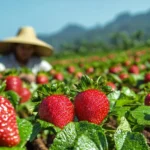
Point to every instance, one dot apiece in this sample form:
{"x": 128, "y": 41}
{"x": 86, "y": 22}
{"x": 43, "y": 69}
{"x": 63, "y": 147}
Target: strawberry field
{"x": 97, "y": 102}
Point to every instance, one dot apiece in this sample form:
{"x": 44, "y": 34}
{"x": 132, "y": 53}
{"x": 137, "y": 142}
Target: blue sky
{"x": 50, "y": 16}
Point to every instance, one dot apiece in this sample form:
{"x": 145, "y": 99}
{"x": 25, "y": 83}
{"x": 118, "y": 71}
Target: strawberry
{"x": 42, "y": 78}
{"x": 147, "y": 77}
{"x": 89, "y": 70}
{"x": 13, "y": 83}
{"x": 9, "y": 134}
{"x": 71, "y": 69}
{"x": 57, "y": 109}
{"x": 52, "y": 72}
{"x": 123, "y": 76}
{"x": 79, "y": 75}
{"x": 59, "y": 76}
{"x": 115, "y": 69}
{"x": 127, "y": 63}
{"x": 134, "y": 69}
{"x": 91, "y": 105}
{"x": 147, "y": 100}
{"x": 112, "y": 85}
{"x": 25, "y": 95}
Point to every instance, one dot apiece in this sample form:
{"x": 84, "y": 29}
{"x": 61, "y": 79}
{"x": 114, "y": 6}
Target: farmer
{"x": 25, "y": 50}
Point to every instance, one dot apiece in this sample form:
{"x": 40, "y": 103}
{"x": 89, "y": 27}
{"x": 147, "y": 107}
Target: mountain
{"x": 124, "y": 22}
{"x": 68, "y": 34}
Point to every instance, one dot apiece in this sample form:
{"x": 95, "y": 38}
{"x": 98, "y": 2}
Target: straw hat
{"x": 26, "y": 35}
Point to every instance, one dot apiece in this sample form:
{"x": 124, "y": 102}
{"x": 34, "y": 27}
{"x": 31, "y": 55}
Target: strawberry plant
{"x": 106, "y": 110}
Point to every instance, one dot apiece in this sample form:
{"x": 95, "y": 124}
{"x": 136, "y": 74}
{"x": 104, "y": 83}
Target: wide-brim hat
{"x": 26, "y": 35}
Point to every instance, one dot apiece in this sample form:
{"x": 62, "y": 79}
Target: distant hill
{"x": 67, "y": 34}
{"x": 124, "y": 22}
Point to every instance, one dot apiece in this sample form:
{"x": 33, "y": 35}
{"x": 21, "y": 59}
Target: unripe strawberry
{"x": 57, "y": 109}
{"x": 9, "y": 134}
{"x": 91, "y": 105}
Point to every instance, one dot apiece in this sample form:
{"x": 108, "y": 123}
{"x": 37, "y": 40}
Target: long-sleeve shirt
{"x": 35, "y": 63}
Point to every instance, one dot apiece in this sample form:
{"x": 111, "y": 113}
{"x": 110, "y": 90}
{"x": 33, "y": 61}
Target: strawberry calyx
{"x": 55, "y": 88}
{"x": 99, "y": 83}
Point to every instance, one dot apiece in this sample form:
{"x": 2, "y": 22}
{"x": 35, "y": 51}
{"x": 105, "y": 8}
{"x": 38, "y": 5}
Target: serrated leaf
{"x": 67, "y": 138}
{"x": 124, "y": 125}
{"x": 125, "y": 100}
{"x": 125, "y": 139}
{"x": 134, "y": 141}
{"x": 128, "y": 92}
{"x": 85, "y": 143}
{"x": 121, "y": 133}
{"x": 25, "y": 130}
{"x": 120, "y": 111}
{"x": 42, "y": 125}
{"x": 142, "y": 115}
{"x": 113, "y": 96}
{"x": 13, "y": 97}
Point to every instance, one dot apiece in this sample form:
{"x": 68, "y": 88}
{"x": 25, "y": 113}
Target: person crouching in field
{"x": 25, "y": 50}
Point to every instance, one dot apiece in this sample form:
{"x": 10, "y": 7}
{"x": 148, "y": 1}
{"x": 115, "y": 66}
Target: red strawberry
{"x": 25, "y": 95}
{"x": 91, "y": 105}
{"x": 134, "y": 69}
{"x": 147, "y": 77}
{"x": 123, "y": 76}
{"x": 59, "y": 76}
{"x": 147, "y": 100}
{"x": 89, "y": 70}
{"x": 57, "y": 109}
{"x": 112, "y": 85}
{"x": 42, "y": 79}
{"x": 115, "y": 69}
{"x": 127, "y": 63}
{"x": 13, "y": 83}
{"x": 9, "y": 134}
{"x": 71, "y": 69}
{"x": 79, "y": 75}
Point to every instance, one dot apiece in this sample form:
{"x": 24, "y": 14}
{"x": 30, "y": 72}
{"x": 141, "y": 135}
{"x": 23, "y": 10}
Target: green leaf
{"x": 42, "y": 125}
{"x": 72, "y": 135}
{"x": 120, "y": 111}
{"x": 134, "y": 141}
{"x": 113, "y": 96}
{"x": 25, "y": 130}
{"x": 128, "y": 92}
{"x": 124, "y": 125}
{"x": 2, "y": 86}
{"x": 65, "y": 139}
{"x": 13, "y": 97}
{"x": 85, "y": 143}
{"x": 125, "y": 139}
{"x": 125, "y": 100}
{"x": 142, "y": 115}
{"x": 121, "y": 132}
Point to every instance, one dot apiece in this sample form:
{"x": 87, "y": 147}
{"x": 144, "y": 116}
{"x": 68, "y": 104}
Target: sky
{"x": 50, "y": 16}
